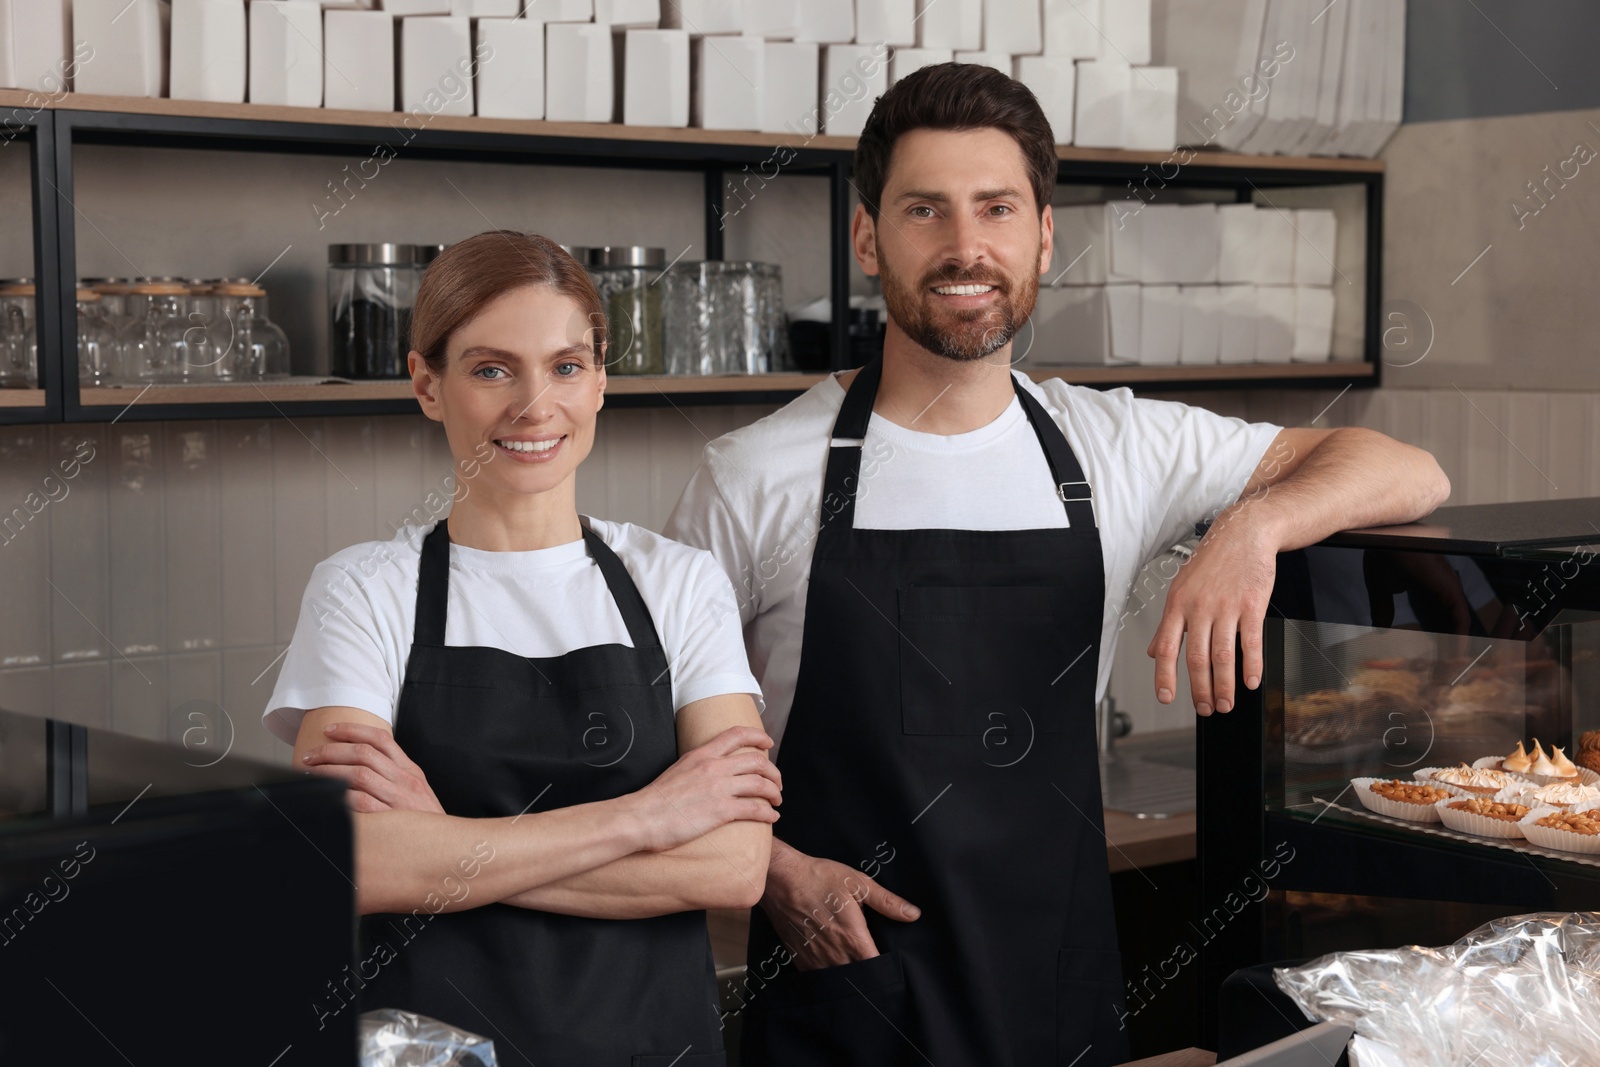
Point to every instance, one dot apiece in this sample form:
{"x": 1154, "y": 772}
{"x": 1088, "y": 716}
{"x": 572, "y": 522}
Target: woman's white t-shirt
{"x": 358, "y": 616}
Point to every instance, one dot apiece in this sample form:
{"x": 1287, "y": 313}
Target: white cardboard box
{"x": 1151, "y": 120}
{"x": 853, "y": 77}
{"x": 488, "y": 9}
{"x": 286, "y": 53}
{"x": 827, "y": 21}
{"x": 1126, "y": 26}
{"x": 1275, "y": 323}
{"x": 655, "y": 77}
{"x": 578, "y": 83}
{"x": 1102, "y": 104}
{"x": 1202, "y": 324}
{"x": 701, "y": 17}
{"x": 730, "y": 75}
{"x": 1236, "y": 247}
{"x": 1181, "y": 243}
{"x": 35, "y": 41}
{"x": 510, "y": 56}
{"x": 1315, "y": 246}
{"x": 358, "y": 49}
{"x": 1125, "y": 305}
{"x": 954, "y": 25}
{"x": 1313, "y": 325}
{"x": 904, "y": 61}
{"x": 628, "y": 14}
{"x": 1072, "y": 28}
{"x": 789, "y": 90}
{"x": 1071, "y": 325}
{"x": 1053, "y": 80}
{"x": 407, "y": 8}
{"x": 1236, "y": 336}
{"x": 891, "y": 21}
{"x": 1275, "y": 240}
{"x": 1013, "y": 27}
{"x": 1000, "y": 61}
{"x": 128, "y": 39}
{"x": 1160, "y": 324}
{"x": 435, "y": 61}
{"x": 775, "y": 20}
{"x": 209, "y": 52}
{"x": 1124, "y": 232}
{"x": 1081, "y": 246}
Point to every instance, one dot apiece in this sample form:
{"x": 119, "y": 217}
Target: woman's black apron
{"x": 942, "y": 740}
{"x": 498, "y": 735}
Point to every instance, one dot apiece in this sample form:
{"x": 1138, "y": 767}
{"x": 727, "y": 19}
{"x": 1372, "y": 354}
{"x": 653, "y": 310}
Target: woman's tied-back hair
{"x": 471, "y": 274}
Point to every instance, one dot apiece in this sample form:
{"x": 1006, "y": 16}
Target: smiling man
{"x": 930, "y": 554}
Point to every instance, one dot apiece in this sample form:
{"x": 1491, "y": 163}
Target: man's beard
{"x": 959, "y": 335}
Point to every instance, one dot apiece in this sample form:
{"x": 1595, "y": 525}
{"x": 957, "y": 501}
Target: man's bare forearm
{"x": 1354, "y": 478}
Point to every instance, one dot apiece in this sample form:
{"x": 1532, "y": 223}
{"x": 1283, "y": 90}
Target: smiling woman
{"x": 564, "y": 698}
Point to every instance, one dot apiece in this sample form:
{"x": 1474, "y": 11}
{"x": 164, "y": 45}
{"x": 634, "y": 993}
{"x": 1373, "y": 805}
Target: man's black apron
{"x": 942, "y": 740}
{"x": 499, "y": 734}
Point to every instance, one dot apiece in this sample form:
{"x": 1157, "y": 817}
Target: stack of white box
{"x": 1122, "y": 101}
{"x": 1168, "y": 284}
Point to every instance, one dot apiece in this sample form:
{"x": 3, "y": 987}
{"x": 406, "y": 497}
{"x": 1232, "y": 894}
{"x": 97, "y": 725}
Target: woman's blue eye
{"x": 480, "y": 372}
{"x": 574, "y": 365}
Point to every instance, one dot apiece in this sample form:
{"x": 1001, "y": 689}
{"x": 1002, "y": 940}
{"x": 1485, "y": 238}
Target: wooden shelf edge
{"x": 133, "y": 105}
{"x": 645, "y": 385}
{"x": 21, "y": 398}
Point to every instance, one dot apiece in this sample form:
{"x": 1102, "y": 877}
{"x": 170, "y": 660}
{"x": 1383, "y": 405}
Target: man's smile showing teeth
{"x": 962, "y": 290}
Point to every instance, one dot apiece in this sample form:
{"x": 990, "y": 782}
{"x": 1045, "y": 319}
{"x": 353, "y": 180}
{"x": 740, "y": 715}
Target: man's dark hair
{"x": 955, "y": 96}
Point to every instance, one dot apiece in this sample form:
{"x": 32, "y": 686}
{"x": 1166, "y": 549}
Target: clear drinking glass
{"x": 19, "y": 365}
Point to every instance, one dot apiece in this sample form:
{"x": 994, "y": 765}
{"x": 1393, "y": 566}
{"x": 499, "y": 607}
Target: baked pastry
{"x": 1519, "y": 761}
{"x": 1589, "y": 751}
{"x": 1577, "y": 822}
{"x": 1480, "y": 780}
{"x": 1418, "y": 793}
{"x": 1493, "y": 809}
{"x": 1562, "y": 764}
{"x": 1399, "y": 682}
{"x": 1566, "y": 794}
{"x": 1324, "y": 717}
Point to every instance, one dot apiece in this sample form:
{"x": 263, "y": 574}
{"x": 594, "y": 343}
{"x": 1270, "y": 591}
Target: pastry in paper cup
{"x": 1467, "y": 781}
{"x": 1385, "y": 802}
{"x": 1566, "y": 838}
{"x": 1457, "y": 814}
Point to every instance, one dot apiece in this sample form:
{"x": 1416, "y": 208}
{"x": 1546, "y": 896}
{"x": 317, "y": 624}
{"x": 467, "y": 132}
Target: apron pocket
{"x": 978, "y": 661}
{"x": 1089, "y": 1006}
{"x": 861, "y": 978}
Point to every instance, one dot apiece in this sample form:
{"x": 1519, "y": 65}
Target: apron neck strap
{"x": 433, "y": 589}
{"x": 850, "y": 430}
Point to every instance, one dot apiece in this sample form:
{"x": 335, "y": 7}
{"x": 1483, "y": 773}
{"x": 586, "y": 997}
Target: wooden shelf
{"x": 21, "y": 398}
{"x": 396, "y": 120}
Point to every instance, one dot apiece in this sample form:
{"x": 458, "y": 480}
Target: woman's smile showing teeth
{"x": 529, "y": 449}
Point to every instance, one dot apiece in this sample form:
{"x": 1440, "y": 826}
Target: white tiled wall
{"x": 169, "y": 571}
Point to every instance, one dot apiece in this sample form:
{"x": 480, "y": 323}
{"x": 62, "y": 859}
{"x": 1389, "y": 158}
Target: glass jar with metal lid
{"x": 19, "y": 365}
{"x": 371, "y": 290}
{"x": 625, "y": 277}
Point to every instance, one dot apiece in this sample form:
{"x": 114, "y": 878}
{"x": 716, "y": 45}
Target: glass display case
{"x": 1424, "y": 747}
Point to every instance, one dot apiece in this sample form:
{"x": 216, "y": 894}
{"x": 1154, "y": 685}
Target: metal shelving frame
{"x": 73, "y": 119}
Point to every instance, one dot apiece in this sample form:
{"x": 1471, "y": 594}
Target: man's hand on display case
{"x": 1308, "y": 485}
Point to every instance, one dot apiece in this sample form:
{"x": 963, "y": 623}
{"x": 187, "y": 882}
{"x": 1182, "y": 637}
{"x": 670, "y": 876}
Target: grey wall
{"x": 1475, "y": 58}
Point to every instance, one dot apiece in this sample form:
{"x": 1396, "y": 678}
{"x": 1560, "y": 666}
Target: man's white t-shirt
{"x": 358, "y": 616}
{"x": 1156, "y": 468}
